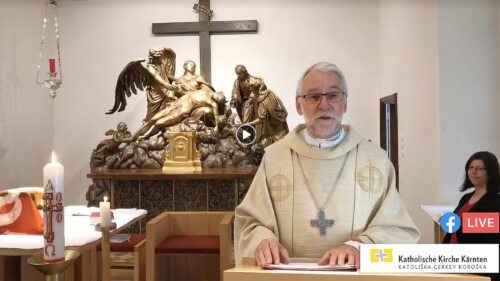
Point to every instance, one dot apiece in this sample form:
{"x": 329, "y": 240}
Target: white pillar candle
{"x": 105, "y": 213}
{"x": 53, "y": 182}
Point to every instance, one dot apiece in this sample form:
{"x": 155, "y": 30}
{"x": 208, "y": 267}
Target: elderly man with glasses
{"x": 323, "y": 189}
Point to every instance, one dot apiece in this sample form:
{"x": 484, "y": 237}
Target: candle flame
{"x": 105, "y": 198}
{"x": 53, "y": 157}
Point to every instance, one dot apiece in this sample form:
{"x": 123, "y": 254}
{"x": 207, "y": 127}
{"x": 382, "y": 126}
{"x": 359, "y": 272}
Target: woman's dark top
{"x": 489, "y": 203}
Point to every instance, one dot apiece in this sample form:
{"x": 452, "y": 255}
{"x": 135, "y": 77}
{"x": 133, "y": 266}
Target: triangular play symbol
{"x": 245, "y": 134}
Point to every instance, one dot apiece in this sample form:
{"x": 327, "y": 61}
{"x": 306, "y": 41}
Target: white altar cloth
{"x": 77, "y": 228}
{"x": 437, "y": 211}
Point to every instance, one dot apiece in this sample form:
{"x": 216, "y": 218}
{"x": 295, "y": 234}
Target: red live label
{"x": 480, "y": 223}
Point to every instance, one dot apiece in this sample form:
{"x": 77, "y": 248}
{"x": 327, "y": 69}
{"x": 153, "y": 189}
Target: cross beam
{"x": 204, "y": 27}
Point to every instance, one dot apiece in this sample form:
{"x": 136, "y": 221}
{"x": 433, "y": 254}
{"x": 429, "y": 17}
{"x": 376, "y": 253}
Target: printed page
{"x": 310, "y": 267}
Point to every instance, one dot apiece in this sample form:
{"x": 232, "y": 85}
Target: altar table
{"x": 79, "y": 234}
{"x": 248, "y": 271}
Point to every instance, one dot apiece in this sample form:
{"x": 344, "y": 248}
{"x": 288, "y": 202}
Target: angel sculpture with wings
{"x": 156, "y": 75}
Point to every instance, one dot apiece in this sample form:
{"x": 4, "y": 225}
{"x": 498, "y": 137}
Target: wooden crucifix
{"x": 204, "y": 27}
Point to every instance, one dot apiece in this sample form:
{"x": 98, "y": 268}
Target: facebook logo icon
{"x": 450, "y": 222}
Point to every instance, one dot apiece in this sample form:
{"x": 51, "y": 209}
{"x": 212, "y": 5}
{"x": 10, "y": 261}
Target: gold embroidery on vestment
{"x": 370, "y": 179}
{"x": 280, "y": 188}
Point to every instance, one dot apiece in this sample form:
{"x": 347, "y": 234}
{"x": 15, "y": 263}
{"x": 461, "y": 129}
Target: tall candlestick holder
{"x": 53, "y": 271}
{"x": 105, "y": 248}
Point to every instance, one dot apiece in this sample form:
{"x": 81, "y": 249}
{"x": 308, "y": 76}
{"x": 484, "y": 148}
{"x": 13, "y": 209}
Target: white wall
{"x": 409, "y": 67}
{"x": 26, "y": 111}
{"x": 469, "y": 89}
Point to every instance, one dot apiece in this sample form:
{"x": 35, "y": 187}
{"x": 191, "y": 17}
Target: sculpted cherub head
{"x": 121, "y": 127}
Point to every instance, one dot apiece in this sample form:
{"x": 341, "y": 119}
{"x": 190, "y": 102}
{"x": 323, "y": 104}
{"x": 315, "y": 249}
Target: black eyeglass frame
{"x": 319, "y": 96}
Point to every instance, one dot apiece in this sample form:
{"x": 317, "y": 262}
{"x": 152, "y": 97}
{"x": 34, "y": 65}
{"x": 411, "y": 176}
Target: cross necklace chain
{"x": 322, "y": 223}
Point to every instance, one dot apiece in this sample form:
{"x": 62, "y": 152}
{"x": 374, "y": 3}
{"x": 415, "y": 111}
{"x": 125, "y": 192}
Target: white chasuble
{"x": 364, "y": 204}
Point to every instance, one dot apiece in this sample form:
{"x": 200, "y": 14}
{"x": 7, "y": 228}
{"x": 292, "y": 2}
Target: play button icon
{"x": 246, "y": 134}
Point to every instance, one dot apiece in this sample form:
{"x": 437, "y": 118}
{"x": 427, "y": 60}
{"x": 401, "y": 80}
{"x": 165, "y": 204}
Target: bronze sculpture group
{"x": 177, "y": 104}
{"x": 187, "y": 103}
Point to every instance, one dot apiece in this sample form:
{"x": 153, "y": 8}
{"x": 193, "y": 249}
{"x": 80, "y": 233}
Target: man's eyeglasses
{"x": 316, "y": 97}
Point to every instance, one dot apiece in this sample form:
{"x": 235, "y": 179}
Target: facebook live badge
{"x": 480, "y": 223}
{"x": 450, "y": 222}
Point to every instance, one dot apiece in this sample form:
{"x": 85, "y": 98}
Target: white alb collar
{"x": 323, "y": 143}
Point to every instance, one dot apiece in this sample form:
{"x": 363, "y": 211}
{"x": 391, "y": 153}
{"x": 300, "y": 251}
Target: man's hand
{"x": 341, "y": 255}
{"x": 270, "y": 251}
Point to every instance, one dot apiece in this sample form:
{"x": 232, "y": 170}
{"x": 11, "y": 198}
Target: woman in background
{"x": 482, "y": 173}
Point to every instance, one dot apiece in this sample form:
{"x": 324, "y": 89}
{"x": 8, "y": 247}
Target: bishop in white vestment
{"x": 322, "y": 186}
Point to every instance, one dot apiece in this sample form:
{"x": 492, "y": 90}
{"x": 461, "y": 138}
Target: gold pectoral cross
{"x": 322, "y": 223}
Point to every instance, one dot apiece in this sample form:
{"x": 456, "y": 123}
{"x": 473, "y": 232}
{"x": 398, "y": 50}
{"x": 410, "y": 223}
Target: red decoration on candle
{"x": 52, "y": 64}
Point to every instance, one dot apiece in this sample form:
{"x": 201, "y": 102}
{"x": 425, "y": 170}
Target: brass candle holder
{"x": 105, "y": 248}
{"x": 53, "y": 271}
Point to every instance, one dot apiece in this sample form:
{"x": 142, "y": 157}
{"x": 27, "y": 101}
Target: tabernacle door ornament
{"x": 182, "y": 156}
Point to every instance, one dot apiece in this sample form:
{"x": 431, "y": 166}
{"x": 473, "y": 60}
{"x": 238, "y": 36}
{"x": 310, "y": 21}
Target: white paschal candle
{"x": 53, "y": 225}
{"x": 105, "y": 213}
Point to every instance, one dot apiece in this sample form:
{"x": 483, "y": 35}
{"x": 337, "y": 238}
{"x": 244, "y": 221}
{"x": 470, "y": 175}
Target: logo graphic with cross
{"x": 380, "y": 255}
